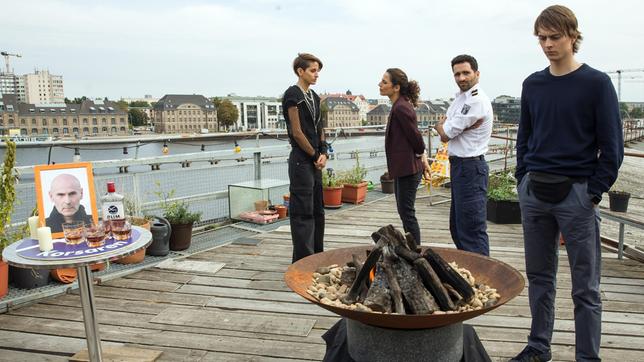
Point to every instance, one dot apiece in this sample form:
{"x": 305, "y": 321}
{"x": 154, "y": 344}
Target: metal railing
{"x": 200, "y": 179}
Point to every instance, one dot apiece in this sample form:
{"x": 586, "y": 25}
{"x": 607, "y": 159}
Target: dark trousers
{"x": 468, "y": 210}
{"x": 405, "y": 191}
{"x": 578, "y": 221}
{"x": 306, "y": 206}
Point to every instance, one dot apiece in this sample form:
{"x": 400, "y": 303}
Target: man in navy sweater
{"x": 569, "y": 150}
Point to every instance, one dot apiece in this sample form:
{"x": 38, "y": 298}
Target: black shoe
{"x": 531, "y": 354}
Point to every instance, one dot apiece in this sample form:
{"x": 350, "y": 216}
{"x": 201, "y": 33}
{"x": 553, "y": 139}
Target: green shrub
{"x": 176, "y": 211}
{"x": 502, "y": 186}
{"x": 7, "y": 193}
{"x": 330, "y": 179}
{"x": 355, "y": 175}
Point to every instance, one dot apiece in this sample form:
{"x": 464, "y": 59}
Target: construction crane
{"x": 6, "y": 59}
{"x": 619, "y": 78}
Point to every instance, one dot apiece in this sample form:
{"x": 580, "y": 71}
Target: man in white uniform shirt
{"x": 468, "y": 128}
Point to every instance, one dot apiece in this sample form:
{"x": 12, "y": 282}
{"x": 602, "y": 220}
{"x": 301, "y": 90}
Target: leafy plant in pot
{"x": 7, "y": 199}
{"x": 180, "y": 218}
{"x": 502, "y": 199}
{"x": 331, "y": 189}
{"x": 618, "y": 197}
{"x": 387, "y": 183}
{"x": 355, "y": 186}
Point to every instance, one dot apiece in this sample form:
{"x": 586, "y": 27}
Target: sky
{"x": 131, "y": 48}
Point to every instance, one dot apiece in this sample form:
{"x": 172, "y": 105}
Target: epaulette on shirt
{"x": 475, "y": 92}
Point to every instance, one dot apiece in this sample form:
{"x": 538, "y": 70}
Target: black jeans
{"x": 306, "y": 206}
{"x": 405, "y": 191}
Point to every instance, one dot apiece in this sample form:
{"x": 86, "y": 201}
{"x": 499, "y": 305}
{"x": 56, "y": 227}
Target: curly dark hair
{"x": 408, "y": 88}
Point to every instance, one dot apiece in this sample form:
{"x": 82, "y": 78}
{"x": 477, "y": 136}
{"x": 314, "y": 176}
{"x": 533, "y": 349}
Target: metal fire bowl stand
{"x": 506, "y": 279}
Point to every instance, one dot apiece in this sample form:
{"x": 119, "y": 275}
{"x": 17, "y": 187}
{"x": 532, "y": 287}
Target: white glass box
{"x": 242, "y": 195}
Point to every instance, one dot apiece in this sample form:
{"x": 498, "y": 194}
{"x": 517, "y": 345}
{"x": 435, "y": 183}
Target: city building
{"x": 184, "y": 113}
{"x": 258, "y": 112}
{"x": 90, "y": 118}
{"x": 12, "y": 84}
{"x": 340, "y": 112}
{"x": 41, "y": 87}
{"x": 359, "y": 100}
{"x": 507, "y": 109}
{"x": 378, "y": 115}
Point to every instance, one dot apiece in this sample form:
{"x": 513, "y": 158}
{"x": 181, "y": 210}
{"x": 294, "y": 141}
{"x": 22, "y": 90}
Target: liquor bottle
{"x": 112, "y": 204}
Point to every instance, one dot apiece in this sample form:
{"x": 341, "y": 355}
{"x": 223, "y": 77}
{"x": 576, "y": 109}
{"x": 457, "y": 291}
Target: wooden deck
{"x": 245, "y": 312}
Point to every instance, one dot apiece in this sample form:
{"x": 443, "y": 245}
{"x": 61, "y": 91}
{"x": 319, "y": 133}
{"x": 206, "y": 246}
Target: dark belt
{"x": 456, "y": 158}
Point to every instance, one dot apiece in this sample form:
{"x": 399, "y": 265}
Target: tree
{"x": 75, "y": 100}
{"x": 137, "y": 117}
{"x": 142, "y": 104}
{"x": 227, "y": 113}
{"x": 122, "y": 105}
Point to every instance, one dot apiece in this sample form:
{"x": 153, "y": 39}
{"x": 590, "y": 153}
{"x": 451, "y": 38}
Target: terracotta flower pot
{"x": 139, "y": 255}
{"x": 261, "y": 205}
{"x": 281, "y": 211}
{"x": 4, "y": 278}
{"x": 354, "y": 194}
{"x": 69, "y": 275}
{"x": 332, "y": 197}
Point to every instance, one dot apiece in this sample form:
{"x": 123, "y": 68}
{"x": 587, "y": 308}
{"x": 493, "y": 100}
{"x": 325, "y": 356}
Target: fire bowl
{"x": 506, "y": 279}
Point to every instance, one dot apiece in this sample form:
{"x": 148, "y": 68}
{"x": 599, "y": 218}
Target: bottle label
{"x": 113, "y": 211}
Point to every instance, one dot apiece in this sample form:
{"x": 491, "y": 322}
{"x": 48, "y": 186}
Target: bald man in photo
{"x": 65, "y": 193}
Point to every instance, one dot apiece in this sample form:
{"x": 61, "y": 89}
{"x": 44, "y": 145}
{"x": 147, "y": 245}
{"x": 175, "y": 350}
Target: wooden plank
{"x": 242, "y": 293}
{"x": 8, "y": 355}
{"x": 268, "y": 306}
{"x": 193, "y": 266}
{"x": 153, "y": 339}
{"x": 40, "y": 343}
{"x": 120, "y": 354}
{"x": 236, "y": 321}
{"x": 231, "y": 357}
{"x": 241, "y": 283}
{"x": 157, "y": 285}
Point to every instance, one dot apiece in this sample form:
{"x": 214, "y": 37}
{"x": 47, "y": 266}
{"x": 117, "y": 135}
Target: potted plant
{"x": 387, "y": 183}
{"x": 355, "y": 187}
{"x": 618, "y": 197}
{"x": 7, "y": 199}
{"x": 331, "y": 190}
{"x": 141, "y": 221}
{"x": 180, "y": 218}
{"x": 502, "y": 199}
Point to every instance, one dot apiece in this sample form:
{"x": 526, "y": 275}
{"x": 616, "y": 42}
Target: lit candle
{"x": 33, "y": 226}
{"x": 44, "y": 238}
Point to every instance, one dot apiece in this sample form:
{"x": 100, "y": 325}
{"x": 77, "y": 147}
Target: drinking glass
{"x": 95, "y": 234}
{"x": 74, "y": 232}
{"x": 121, "y": 229}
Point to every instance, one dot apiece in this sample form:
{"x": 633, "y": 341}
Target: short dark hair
{"x": 559, "y": 18}
{"x": 304, "y": 60}
{"x": 464, "y": 58}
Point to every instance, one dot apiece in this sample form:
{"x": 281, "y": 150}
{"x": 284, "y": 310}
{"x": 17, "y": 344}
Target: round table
{"x": 82, "y": 264}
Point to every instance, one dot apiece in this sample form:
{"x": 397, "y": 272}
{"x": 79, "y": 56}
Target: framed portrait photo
{"x": 65, "y": 193}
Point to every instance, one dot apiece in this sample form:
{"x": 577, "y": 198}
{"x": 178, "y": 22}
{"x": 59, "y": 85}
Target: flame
{"x": 372, "y": 274}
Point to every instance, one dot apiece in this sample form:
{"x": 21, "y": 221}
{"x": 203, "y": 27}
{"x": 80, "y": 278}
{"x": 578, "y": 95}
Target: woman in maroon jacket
{"x": 404, "y": 146}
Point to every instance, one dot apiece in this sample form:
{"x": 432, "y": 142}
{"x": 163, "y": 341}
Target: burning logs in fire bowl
{"x": 431, "y": 308}
{"x": 404, "y": 281}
